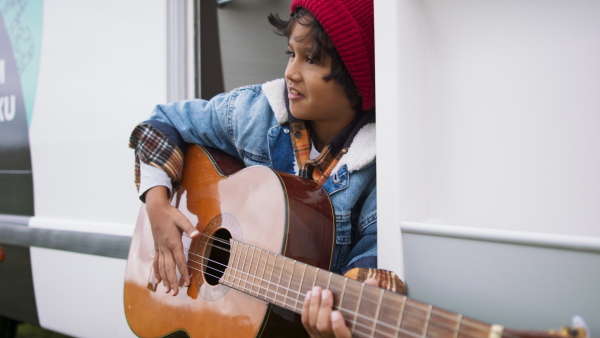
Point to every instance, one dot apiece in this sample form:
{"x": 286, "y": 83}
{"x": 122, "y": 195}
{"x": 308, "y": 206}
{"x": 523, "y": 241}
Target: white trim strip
{"x": 14, "y": 219}
{"x": 557, "y": 241}
{"x": 176, "y": 50}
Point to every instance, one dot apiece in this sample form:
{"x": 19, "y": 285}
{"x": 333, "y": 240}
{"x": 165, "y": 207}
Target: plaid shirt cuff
{"x": 385, "y": 279}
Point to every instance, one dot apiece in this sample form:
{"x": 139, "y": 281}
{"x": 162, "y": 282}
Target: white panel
{"x": 102, "y": 71}
{"x": 488, "y": 119}
{"x": 514, "y": 114}
{"x": 506, "y": 133}
{"x": 82, "y": 296}
{"x": 388, "y": 105}
{"x": 522, "y": 287}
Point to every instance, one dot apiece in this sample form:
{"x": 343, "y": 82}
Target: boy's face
{"x": 311, "y": 97}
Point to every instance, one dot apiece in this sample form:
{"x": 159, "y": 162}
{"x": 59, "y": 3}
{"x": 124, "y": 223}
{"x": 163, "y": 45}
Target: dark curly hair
{"x": 322, "y": 48}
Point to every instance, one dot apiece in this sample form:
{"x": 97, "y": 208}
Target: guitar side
{"x": 272, "y": 211}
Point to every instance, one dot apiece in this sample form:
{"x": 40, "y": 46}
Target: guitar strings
{"x": 351, "y": 312}
{"x": 274, "y": 300}
{"x": 416, "y": 305}
{"x": 370, "y": 328}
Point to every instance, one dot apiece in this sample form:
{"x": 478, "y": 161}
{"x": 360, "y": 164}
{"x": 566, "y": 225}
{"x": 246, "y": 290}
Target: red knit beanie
{"x": 349, "y": 24}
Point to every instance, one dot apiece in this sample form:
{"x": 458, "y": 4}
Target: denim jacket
{"x": 250, "y": 123}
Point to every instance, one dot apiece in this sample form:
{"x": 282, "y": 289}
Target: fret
{"x": 427, "y": 320}
{"x": 323, "y": 279}
{"x": 254, "y": 274}
{"x": 389, "y": 314}
{"x": 458, "y": 322}
{"x": 231, "y": 278}
{"x": 300, "y": 289}
{"x": 289, "y": 286}
{"x": 399, "y": 324}
{"x": 470, "y": 328}
{"x": 238, "y": 273}
{"x": 269, "y": 280}
{"x": 336, "y": 285}
{"x": 243, "y": 274}
{"x": 444, "y": 323}
{"x": 329, "y": 281}
{"x": 343, "y": 292}
{"x": 379, "y": 304}
{"x": 351, "y": 290}
{"x": 415, "y": 314}
{"x": 310, "y": 274}
{"x": 238, "y": 264}
{"x": 262, "y": 276}
{"x": 366, "y": 310}
{"x": 362, "y": 288}
{"x": 227, "y": 275}
{"x": 278, "y": 295}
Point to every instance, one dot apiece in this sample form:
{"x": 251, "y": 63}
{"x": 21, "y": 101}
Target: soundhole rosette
{"x": 208, "y": 256}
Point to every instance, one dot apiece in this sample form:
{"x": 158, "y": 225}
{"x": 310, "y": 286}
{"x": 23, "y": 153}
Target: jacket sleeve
{"x": 160, "y": 142}
{"x": 223, "y": 122}
{"x": 155, "y": 149}
{"x": 205, "y": 122}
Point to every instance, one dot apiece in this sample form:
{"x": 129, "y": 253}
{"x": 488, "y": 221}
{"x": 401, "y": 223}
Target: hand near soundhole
{"x": 318, "y": 316}
{"x": 168, "y": 224}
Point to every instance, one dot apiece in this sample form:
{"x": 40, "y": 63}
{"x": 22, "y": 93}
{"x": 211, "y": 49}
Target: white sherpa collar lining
{"x": 274, "y": 92}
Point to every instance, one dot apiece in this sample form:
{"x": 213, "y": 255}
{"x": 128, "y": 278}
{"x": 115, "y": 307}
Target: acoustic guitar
{"x": 266, "y": 239}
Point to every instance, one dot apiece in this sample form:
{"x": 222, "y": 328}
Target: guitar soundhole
{"x": 217, "y": 252}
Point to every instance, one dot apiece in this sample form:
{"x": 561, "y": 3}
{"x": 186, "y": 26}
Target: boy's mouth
{"x": 294, "y": 94}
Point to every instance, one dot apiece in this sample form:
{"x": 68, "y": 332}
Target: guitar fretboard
{"x": 368, "y": 311}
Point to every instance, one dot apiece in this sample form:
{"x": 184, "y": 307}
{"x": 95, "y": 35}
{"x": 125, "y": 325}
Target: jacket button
{"x": 298, "y": 134}
{"x": 287, "y": 131}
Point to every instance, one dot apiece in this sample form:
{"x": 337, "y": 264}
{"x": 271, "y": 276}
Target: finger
{"x": 155, "y": 257}
{"x": 338, "y": 325}
{"x": 372, "y": 281}
{"x": 161, "y": 271}
{"x": 324, "y": 316}
{"x": 170, "y": 272}
{"x": 181, "y": 264}
{"x": 186, "y": 226}
{"x": 305, "y": 313}
{"x": 315, "y": 303}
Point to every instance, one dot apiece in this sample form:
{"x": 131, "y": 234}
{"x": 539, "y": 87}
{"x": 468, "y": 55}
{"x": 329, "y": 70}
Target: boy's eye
{"x": 290, "y": 53}
{"x": 311, "y": 61}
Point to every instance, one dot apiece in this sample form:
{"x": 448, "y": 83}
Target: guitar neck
{"x": 368, "y": 310}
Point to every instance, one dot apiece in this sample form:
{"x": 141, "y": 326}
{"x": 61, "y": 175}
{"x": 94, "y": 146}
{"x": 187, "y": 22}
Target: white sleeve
{"x": 151, "y": 177}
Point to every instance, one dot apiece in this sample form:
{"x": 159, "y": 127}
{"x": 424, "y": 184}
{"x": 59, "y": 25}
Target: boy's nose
{"x": 292, "y": 73}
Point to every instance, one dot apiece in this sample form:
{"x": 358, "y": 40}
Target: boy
{"x": 318, "y": 123}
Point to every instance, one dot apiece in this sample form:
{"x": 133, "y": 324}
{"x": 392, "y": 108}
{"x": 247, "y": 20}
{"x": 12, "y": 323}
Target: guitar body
{"x": 258, "y": 206}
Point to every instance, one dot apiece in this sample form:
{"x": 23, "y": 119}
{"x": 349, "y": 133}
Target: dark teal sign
{"x": 20, "y": 41}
